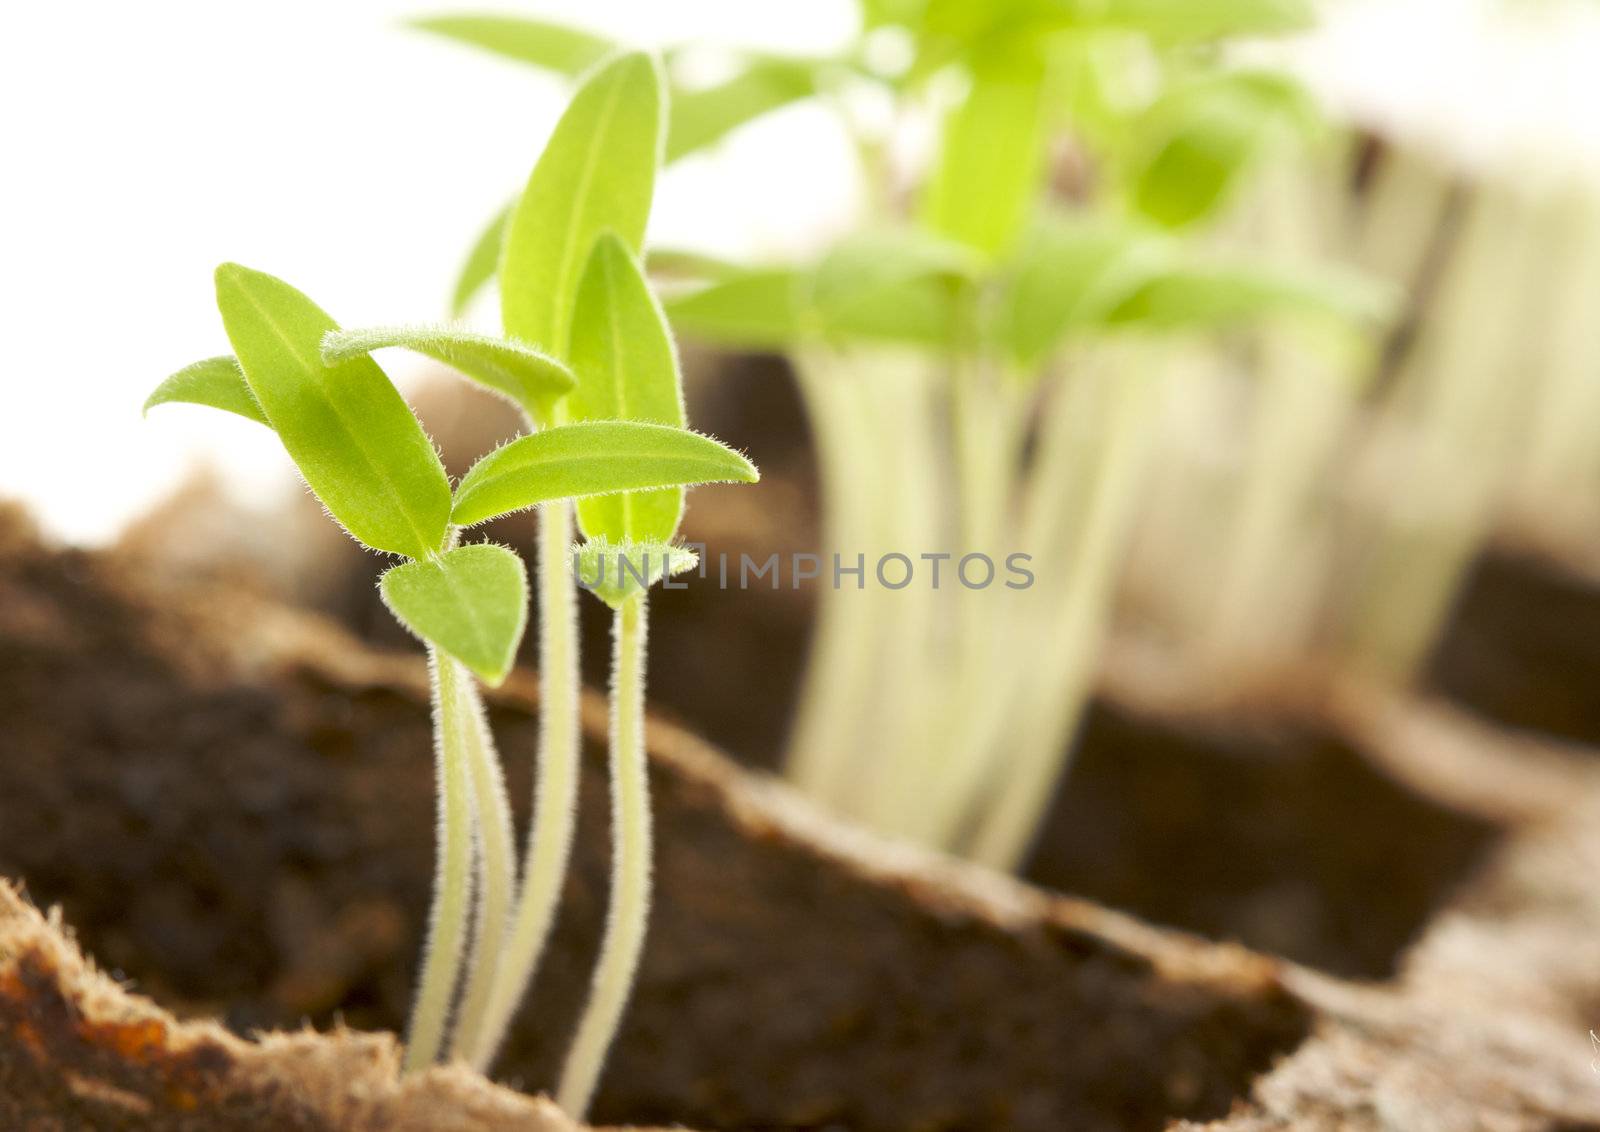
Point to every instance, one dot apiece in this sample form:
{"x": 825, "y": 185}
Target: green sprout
{"x": 626, "y": 459}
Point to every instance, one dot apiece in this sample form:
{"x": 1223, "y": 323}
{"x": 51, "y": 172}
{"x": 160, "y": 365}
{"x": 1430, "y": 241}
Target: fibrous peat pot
{"x": 232, "y": 805}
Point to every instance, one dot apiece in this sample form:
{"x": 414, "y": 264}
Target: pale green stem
{"x": 893, "y": 752}
{"x": 1398, "y": 224}
{"x": 1461, "y": 387}
{"x": 1064, "y": 673}
{"x": 452, "y": 882}
{"x": 1262, "y": 603}
{"x": 835, "y": 696}
{"x": 556, "y": 786}
{"x": 629, "y": 909}
{"x": 496, "y": 871}
{"x": 1559, "y": 480}
{"x": 1052, "y": 503}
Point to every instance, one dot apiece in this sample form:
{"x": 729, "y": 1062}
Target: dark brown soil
{"x": 1274, "y": 832}
{"x": 260, "y": 847}
{"x": 1521, "y": 648}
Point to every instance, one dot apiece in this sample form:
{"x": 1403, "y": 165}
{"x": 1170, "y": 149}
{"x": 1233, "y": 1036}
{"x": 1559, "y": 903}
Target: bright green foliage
{"x": 616, "y": 571}
{"x": 597, "y": 172}
{"x": 1200, "y": 140}
{"x": 553, "y": 47}
{"x": 1200, "y": 296}
{"x": 686, "y": 264}
{"x": 527, "y": 378}
{"x": 754, "y": 309}
{"x": 593, "y": 458}
{"x": 989, "y": 165}
{"x": 623, "y": 353}
{"x": 471, "y": 602}
{"x": 699, "y": 118}
{"x": 897, "y": 285}
{"x": 1169, "y": 21}
{"x": 1177, "y": 21}
{"x": 347, "y": 429}
{"x": 216, "y": 382}
{"x": 1071, "y": 274}
{"x": 481, "y": 263}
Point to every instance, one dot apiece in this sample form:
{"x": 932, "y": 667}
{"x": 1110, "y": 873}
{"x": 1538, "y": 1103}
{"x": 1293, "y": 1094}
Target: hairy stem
{"x": 496, "y": 870}
{"x": 555, "y": 789}
{"x": 629, "y": 908}
{"x": 452, "y": 883}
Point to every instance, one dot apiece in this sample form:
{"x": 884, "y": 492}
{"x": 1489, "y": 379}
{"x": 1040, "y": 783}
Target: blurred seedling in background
{"x": 984, "y": 359}
{"x": 365, "y": 456}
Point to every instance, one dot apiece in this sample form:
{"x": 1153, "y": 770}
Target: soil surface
{"x": 1277, "y": 832}
{"x": 232, "y": 803}
{"x": 1521, "y": 646}
{"x": 259, "y": 847}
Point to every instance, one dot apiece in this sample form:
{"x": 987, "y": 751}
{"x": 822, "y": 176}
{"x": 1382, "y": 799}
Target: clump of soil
{"x": 1520, "y": 648}
{"x": 1276, "y": 831}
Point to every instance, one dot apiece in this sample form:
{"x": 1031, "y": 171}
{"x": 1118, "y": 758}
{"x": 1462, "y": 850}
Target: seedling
{"x": 600, "y": 390}
{"x": 362, "y": 452}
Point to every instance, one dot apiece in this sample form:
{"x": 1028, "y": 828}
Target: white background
{"x": 143, "y": 143}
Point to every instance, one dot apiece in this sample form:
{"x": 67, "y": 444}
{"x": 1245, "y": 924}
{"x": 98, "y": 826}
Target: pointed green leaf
{"x": 699, "y": 118}
{"x": 518, "y": 372}
{"x": 481, "y": 262}
{"x": 593, "y": 458}
{"x": 471, "y": 602}
{"x": 1070, "y": 275}
{"x": 758, "y": 309}
{"x": 1179, "y": 21}
{"x": 1210, "y": 295}
{"x": 991, "y": 157}
{"x": 616, "y": 571}
{"x": 217, "y": 382}
{"x": 347, "y": 429}
{"x": 597, "y": 172}
{"x": 1196, "y": 144}
{"x": 539, "y": 43}
{"x": 628, "y": 371}
{"x": 685, "y": 263}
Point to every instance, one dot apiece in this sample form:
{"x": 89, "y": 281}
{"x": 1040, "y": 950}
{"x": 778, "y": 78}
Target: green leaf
{"x": 1200, "y": 140}
{"x": 616, "y": 571}
{"x": 1179, "y": 21}
{"x": 887, "y": 260}
{"x": 217, "y": 382}
{"x": 593, "y": 458}
{"x": 597, "y": 172}
{"x": 471, "y": 602}
{"x": 849, "y": 296}
{"x": 1211, "y": 295}
{"x": 552, "y": 47}
{"x": 757, "y": 309}
{"x": 684, "y": 263}
{"x": 988, "y": 171}
{"x": 516, "y": 371}
{"x": 699, "y": 118}
{"x": 481, "y": 262}
{"x": 347, "y": 429}
{"x": 1070, "y": 275}
{"x": 628, "y": 371}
